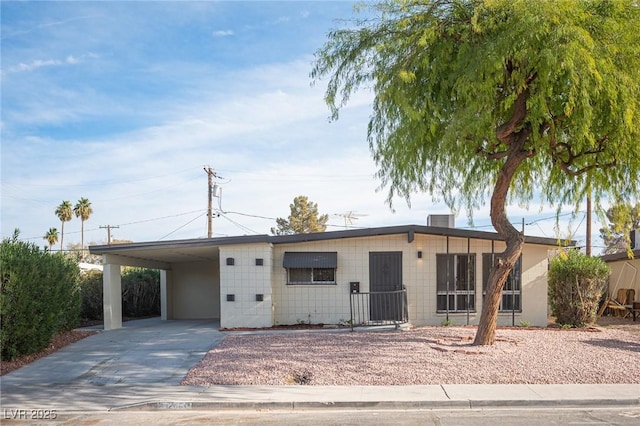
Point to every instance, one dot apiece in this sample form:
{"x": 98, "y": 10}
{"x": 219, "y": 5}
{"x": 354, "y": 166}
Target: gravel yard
{"x": 424, "y": 355}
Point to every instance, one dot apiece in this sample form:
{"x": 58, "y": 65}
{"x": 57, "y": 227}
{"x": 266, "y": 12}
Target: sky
{"x": 125, "y": 103}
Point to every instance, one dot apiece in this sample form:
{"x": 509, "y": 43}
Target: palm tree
{"x": 64, "y": 212}
{"x": 51, "y": 237}
{"x": 83, "y": 210}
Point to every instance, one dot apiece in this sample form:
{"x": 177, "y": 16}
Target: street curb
{"x": 563, "y": 403}
{"x": 381, "y": 405}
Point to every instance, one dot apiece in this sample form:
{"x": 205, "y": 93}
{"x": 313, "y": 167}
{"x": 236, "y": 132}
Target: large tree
{"x": 622, "y": 219}
{"x": 505, "y": 99}
{"x": 83, "y": 210}
{"x": 303, "y": 219}
{"x": 65, "y": 213}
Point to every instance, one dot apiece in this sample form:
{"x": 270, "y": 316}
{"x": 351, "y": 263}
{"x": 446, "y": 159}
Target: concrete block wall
{"x": 243, "y": 281}
{"x": 330, "y": 304}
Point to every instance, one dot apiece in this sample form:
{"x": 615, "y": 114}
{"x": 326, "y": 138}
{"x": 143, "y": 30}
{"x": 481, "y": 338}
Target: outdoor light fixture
{"x": 419, "y": 254}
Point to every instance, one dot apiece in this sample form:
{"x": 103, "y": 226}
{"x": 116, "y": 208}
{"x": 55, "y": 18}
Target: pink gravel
{"x": 422, "y": 356}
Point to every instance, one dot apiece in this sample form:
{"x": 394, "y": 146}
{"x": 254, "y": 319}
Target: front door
{"x": 385, "y": 274}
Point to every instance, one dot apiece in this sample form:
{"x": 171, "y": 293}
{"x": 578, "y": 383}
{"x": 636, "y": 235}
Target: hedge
{"x": 140, "y": 293}
{"x": 39, "y": 297}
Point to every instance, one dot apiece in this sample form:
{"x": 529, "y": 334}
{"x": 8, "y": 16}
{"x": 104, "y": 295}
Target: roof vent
{"x": 441, "y": 220}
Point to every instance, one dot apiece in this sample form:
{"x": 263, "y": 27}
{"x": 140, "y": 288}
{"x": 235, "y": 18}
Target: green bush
{"x": 576, "y": 283}
{"x": 91, "y": 296}
{"x": 39, "y": 297}
{"x": 140, "y": 293}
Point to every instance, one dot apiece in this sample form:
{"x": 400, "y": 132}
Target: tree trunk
{"x": 82, "y": 242}
{"x": 514, "y": 240}
{"x": 61, "y": 235}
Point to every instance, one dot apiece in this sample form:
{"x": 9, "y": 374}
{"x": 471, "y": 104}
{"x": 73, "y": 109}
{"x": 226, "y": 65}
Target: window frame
{"x": 510, "y": 293}
{"x": 464, "y": 289}
{"x": 312, "y": 276}
{"x": 310, "y": 268}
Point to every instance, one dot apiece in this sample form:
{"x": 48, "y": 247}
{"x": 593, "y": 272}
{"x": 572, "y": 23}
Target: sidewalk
{"x": 175, "y": 397}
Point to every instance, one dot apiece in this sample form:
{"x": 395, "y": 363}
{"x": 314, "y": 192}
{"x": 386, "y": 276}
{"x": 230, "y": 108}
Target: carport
{"x": 189, "y": 277}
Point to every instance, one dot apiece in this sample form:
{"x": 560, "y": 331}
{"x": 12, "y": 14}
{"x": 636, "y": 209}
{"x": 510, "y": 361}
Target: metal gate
{"x": 390, "y": 308}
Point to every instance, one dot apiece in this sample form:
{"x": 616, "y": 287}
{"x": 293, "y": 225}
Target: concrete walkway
{"x": 140, "y": 367}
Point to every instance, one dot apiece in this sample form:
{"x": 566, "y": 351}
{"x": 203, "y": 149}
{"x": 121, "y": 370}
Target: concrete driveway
{"x": 144, "y": 353}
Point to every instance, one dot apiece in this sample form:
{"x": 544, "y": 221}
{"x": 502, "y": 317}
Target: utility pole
{"x": 109, "y": 228}
{"x": 210, "y": 175}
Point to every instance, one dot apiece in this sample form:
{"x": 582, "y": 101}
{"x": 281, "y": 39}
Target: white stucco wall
{"x": 244, "y": 280}
{"x": 194, "y": 291}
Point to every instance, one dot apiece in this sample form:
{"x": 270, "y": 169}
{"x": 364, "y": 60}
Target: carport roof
{"x": 166, "y": 252}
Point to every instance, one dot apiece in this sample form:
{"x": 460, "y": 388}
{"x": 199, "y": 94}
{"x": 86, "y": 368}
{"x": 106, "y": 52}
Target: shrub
{"x": 91, "y": 296}
{"x": 39, "y": 297}
{"x": 576, "y": 282}
{"x": 140, "y": 293}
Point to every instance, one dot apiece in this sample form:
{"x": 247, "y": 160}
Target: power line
{"x": 180, "y": 227}
{"x": 160, "y": 218}
{"x": 239, "y": 225}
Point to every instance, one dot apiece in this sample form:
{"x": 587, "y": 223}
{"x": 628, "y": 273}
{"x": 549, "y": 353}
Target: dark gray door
{"x": 385, "y": 274}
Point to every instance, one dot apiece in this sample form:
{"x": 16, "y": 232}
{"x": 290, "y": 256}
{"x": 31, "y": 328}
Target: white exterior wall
{"x": 244, "y": 280}
{"x": 329, "y": 304}
{"x": 422, "y": 300}
{"x": 535, "y": 271}
{"x": 193, "y": 291}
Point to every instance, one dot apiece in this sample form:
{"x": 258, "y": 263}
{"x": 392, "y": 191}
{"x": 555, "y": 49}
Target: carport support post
{"x": 112, "y": 294}
{"x": 166, "y": 286}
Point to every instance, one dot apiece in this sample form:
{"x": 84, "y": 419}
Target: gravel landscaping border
{"x": 424, "y": 355}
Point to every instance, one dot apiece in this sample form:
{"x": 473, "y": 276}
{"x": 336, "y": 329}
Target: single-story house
{"x": 266, "y": 280}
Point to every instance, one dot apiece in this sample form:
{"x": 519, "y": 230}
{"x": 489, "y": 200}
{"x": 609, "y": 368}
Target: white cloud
{"x": 40, "y": 63}
{"x": 33, "y": 65}
{"x": 223, "y": 33}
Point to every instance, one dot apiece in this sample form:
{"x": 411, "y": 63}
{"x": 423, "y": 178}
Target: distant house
{"x": 86, "y": 267}
{"x": 625, "y": 272}
{"x": 264, "y": 280}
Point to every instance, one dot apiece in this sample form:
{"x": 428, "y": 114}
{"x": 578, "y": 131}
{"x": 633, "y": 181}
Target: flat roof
{"x": 410, "y": 230}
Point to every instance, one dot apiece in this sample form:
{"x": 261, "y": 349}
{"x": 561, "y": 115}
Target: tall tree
{"x": 503, "y": 99}
{"x": 622, "y": 219}
{"x": 83, "y": 210}
{"x": 303, "y": 219}
{"x": 65, "y": 213}
{"x": 52, "y": 237}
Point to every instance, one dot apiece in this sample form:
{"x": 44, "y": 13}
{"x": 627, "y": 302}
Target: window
{"x": 309, "y": 268}
{"x": 511, "y": 299}
{"x": 311, "y": 276}
{"x": 456, "y": 282}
